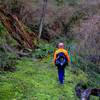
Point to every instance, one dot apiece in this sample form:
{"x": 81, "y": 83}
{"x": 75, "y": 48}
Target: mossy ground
{"x": 37, "y": 80}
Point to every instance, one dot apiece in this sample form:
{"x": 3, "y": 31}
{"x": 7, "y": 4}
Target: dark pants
{"x": 61, "y": 74}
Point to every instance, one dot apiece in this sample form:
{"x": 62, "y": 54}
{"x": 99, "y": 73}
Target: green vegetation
{"x": 7, "y": 59}
{"x": 34, "y": 76}
{"x": 37, "y": 80}
{"x": 2, "y": 34}
{"x": 44, "y": 49}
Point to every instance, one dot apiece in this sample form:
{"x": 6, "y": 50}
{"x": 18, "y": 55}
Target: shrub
{"x": 7, "y": 60}
{"x": 43, "y": 50}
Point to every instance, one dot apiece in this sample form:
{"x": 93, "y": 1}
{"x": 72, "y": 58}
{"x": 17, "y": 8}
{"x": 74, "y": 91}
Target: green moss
{"x": 38, "y": 81}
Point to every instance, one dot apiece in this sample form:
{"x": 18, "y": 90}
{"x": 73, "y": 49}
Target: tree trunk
{"x": 42, "y": 18}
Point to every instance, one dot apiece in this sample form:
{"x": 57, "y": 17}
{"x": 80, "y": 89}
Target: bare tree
{"x": 42, "y": 18}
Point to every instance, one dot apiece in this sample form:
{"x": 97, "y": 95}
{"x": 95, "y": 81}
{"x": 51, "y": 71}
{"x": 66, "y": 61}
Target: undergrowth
{"x": 38, "y": 81}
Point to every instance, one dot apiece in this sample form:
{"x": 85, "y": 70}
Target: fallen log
{"x": 84, "y": 93}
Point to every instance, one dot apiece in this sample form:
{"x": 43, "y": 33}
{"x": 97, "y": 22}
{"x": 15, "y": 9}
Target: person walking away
{"x": 61, "y": 60}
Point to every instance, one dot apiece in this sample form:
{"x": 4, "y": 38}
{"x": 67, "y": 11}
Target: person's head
{"x": 61, "y": 45}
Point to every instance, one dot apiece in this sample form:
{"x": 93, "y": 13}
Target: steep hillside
{"x": 27, "y": 71}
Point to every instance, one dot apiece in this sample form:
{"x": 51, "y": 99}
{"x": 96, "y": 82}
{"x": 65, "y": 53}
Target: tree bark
{"x": 42, "y": 18}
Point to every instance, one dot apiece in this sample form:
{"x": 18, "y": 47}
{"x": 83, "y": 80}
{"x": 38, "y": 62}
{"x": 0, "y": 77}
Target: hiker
{"x": 61, "y": 59}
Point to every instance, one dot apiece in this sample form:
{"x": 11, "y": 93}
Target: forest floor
{"x": 37, "y": 80}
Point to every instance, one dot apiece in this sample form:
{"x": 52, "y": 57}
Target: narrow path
{"x": 37, "y": 80}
